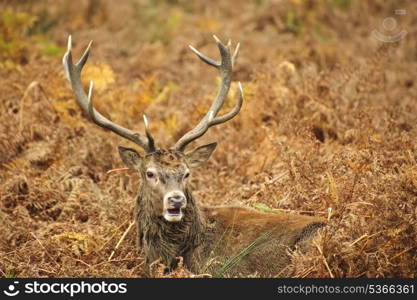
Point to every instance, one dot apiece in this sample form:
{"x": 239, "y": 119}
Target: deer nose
{"x": 176, "y": 201}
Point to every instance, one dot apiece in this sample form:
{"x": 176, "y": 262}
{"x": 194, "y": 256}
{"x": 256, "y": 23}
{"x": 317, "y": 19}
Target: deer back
{"x": 242, "y": 241}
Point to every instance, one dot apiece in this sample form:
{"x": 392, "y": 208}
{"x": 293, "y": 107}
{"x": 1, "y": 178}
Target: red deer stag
{"x": 226, "y": 240}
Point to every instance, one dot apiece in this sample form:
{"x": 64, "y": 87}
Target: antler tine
{"x": 225, "y": 66}
{"x": 73, "y": 74}
{"x": 204, "y": 58}
{"x": 231, "y": 113}
{"x": 235, "y": 54}
{"x": 151, "y": 142}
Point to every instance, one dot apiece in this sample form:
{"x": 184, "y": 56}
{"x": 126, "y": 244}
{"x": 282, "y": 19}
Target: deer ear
{"x": 130, "y": 157}
{"x": 199, "y": 155}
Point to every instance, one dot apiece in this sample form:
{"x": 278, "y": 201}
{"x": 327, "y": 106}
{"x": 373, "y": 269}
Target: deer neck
{"x": 165, "y": 240}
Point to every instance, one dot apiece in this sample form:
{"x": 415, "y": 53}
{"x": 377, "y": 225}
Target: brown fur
{"x": 235, "y": 228}
{"x": 167, "y": 241}
{"x": 209, "y": 237}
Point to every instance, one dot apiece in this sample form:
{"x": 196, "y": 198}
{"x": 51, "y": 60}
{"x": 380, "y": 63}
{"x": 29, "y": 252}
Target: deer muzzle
{"x": 174, "y": 203}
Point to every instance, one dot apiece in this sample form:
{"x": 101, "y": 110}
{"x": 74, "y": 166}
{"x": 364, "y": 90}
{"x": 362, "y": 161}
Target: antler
{"x": 225, "y": 67}
{"x": 73, "y": 73}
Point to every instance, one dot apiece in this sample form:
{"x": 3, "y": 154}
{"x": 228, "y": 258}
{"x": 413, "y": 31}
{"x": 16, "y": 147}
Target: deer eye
{"x": 187, "y": 175}
{"x": 150, "y": 174}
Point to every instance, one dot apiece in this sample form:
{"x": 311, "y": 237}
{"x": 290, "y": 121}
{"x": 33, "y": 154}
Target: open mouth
{"x": 174, "y": 203}
{"x": 174, "y": 211}
{"x": 173, "y": 214}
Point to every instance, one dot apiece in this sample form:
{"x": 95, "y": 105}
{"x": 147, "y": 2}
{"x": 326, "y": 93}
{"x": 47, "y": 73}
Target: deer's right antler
{"x": 73, "y": 73}
{"x": 226, "y": 68}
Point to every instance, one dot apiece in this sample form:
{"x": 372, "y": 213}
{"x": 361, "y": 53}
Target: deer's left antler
{"x": 225, "y": 66}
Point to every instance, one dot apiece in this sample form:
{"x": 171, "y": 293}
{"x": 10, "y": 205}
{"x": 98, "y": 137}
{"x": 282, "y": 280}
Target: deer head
{"x": 164, "y": 172}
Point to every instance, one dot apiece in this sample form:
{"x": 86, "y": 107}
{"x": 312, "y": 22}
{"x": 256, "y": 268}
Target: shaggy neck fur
{"x": 165, "y": 240}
